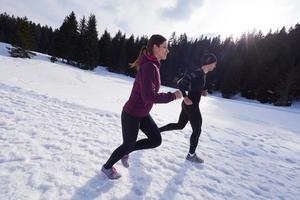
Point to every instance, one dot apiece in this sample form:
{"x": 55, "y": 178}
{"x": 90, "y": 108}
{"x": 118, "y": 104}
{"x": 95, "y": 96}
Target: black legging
{"x": 130, "y": 129}
{"x": 188, "y": 113}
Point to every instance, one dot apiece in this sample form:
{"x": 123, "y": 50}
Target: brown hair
{"x": 154, "y": 40}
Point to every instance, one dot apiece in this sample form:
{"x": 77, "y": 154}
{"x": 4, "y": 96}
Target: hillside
{"x": 59, "y": 124}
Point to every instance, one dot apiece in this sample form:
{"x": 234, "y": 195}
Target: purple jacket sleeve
{"x": 148, "y": 87}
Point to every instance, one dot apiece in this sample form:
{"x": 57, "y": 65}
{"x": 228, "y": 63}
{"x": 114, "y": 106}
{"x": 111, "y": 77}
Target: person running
{"x": 135, "y": 114}
{"x": 194, "y": 83}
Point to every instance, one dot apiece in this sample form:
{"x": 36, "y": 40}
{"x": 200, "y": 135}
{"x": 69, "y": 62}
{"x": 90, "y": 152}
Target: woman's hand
{"x": 187, "y": 101}
{"x": 178, "y": 94}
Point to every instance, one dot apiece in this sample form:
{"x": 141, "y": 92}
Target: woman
{"x": 194, "y": 83}
{"x": 135, "y": 114}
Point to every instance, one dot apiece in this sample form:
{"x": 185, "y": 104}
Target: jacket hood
{"x": 149, "y": 58}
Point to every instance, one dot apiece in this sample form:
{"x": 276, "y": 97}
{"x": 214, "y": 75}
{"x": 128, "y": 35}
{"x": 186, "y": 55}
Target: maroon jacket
{"x": 145, "y": 89}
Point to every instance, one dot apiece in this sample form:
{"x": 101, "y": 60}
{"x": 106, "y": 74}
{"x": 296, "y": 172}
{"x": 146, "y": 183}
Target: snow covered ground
{"x": 59, "y": 124}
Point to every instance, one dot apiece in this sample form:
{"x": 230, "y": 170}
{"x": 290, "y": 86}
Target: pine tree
{"x": 45, "y": 39}
{"x": 269, "y": 72}
{"x": 24, "y": 36}
{"x": 81, "y": 48}
{"x": 104, "y": 46}
{"x": 8, "y": 25}
{"x": 294, "y": 40}
{"x": 169, "y": 63}
{"x": 92, "y": 42}
{"x": 130, "y": 55}
{"x": 67, "y": 34}
{"x": 123, "y": 60}
{"x": 115, "y": 54}
{"x": 252, "y": 65}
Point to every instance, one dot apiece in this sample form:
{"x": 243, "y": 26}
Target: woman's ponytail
{"x": 137, "y": 62}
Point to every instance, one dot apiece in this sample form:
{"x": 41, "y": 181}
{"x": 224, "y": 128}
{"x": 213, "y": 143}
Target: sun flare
{"x": 247, "y": 16}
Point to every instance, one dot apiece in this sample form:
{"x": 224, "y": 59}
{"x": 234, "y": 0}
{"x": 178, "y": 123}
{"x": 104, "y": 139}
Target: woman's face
{"x": 161, "y": 51}
{"x": 212, "y": 66}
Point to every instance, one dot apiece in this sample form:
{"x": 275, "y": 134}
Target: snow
{"x": 59, "y": 124}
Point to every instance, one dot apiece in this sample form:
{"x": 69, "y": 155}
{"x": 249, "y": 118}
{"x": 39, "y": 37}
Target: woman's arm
{"x": 148, "y": 87}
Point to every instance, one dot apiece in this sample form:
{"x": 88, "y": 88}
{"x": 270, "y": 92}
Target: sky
{"x": 57, "y": 129}
{"x": 143, "y": 17}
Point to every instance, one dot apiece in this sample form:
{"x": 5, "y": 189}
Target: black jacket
{"x": 194, "y": 83}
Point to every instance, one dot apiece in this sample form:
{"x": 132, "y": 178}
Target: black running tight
{"x": 130, "y": 129}
{"x": 188, "y": 113}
